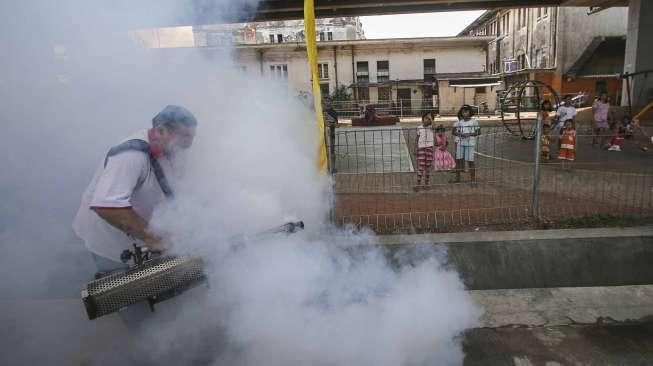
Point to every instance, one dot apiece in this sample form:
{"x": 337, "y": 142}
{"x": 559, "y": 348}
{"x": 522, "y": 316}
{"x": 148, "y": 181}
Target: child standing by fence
{"x": 568, "y": 143}
{"x": 467, "y": 129}
{"x": 442, "y": 157}
{"x": 544, "y": 118}
{"x": 617, "y": 140}
{"x": 600, "y": 112}
{"x": 424, "y": 150}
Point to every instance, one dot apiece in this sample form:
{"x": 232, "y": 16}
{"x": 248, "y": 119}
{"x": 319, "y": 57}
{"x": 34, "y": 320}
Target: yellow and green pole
{"x": 311, "y": 50}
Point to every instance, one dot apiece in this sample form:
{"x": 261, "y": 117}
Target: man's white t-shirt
{"x": 128, "y": 180}
{"x": 565, "y": 113}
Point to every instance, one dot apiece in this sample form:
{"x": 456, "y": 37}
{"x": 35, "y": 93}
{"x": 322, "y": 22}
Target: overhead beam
{"x": 202, "y": 12}
{"x": 270, "y": 10}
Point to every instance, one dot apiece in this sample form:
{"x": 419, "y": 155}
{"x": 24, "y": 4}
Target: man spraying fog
{"x": 127, "y": 186}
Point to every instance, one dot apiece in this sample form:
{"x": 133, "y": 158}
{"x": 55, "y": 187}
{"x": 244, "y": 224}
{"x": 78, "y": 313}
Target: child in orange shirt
{"x": 568, "y": 142}
{"x": 544, "y": 118}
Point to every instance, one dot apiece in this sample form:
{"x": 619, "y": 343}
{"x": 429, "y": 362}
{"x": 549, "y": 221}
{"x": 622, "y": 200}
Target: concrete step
{"x": 542, "y": 258}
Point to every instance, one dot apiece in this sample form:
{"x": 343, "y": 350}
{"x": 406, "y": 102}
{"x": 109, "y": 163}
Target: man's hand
{"x": 128, "y": 221}
{"x": 155, "y": 243}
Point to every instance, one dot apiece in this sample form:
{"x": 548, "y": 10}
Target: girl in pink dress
{"x": 442, "y": 157}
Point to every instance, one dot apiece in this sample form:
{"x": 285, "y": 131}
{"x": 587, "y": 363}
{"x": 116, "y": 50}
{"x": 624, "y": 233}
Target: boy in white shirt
{"x": 565, "y": 112}
{"x": 466, "y": 130}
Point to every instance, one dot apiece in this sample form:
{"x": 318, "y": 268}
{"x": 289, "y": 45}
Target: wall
{"x": 451, "y": 99}
{"x": 576, "y": 30}
{"x": 170, "y": 37}
{"x": 527, "y": 39}
{"x": 541, "y": 259}
{"x": 406, "y": 63}
{"x": 639, "y": 53}
{"x": 588, "y": 85}
{"x": 541, "y": 39}
{"x": 564, "y": 86}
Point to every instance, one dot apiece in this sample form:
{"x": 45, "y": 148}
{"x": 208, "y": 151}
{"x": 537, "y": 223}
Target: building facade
{"x": 422, "y": 73}
{"x": 569, "y": 48}
{"x": 288, "y": 31}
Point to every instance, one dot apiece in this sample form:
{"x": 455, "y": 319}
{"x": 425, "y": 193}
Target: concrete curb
{"x": 493, "y": 236}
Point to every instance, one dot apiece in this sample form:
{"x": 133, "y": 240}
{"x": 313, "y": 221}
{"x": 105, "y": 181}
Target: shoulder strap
{"x": 143, "y": 146}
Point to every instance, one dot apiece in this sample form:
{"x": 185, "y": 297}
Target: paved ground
{"x": 372, "y": 150}
{"x": 591, "y": 345}
{"x": 572, "y": 326}
{"x": 631, "y": 159}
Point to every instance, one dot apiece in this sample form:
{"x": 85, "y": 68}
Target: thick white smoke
{"x": 73, "y": 84}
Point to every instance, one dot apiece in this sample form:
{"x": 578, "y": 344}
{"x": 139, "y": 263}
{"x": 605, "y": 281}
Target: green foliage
{"x": 340, "y": 94}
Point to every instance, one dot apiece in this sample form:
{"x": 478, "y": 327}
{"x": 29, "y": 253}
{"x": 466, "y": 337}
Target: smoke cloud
{"x": 73, "y": 84}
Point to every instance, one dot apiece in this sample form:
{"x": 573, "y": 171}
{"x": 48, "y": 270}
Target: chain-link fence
{"x": 376, "y": 181}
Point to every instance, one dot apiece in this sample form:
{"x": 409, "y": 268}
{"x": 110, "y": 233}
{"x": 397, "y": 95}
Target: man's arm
{"x": 112, "y": 196}
{"x": 127, "y": 220}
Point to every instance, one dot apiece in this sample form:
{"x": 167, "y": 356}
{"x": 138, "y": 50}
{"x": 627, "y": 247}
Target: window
{"x": 510, "y": 65}
{"x": 271, "y": 38}
{"x": 429, "y": 69}
{"x": 522, "y": 18}
{"x": 324, "y": 89}
{"x": 384, "y": 94}
{"x": 521, "y": 62}
{"x": 519, "y": 18}
{"x": 382, "y": 71}
{"x": 321, "y": 36}
{"x": 323, "y": 71}
{"x": 280, "y": 38}
{"x": 480, "y": 90}
{"x": 329, "y": 36}
{"x": 363, "y": 93}
{"x": 362, "y": 72}
{"x": 505, "y": 24}
{"x": 279, "y": 72}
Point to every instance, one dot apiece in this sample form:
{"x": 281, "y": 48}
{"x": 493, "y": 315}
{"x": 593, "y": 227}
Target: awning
{"x": 473, "y": 85}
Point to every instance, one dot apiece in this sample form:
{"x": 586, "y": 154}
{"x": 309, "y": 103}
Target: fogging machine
{"x": 152, "y": 277}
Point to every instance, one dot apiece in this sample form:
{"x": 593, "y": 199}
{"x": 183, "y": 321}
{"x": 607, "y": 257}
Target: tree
{"x": 340, "y": 94}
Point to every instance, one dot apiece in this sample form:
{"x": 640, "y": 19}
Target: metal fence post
{"x": 332, "y": 147}
{"x": 401, "y": 108}
{"x": 537, "y": 168}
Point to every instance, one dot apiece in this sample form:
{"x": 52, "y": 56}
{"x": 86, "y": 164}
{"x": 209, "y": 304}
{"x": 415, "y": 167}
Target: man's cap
{"x": 174, "y": 114}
